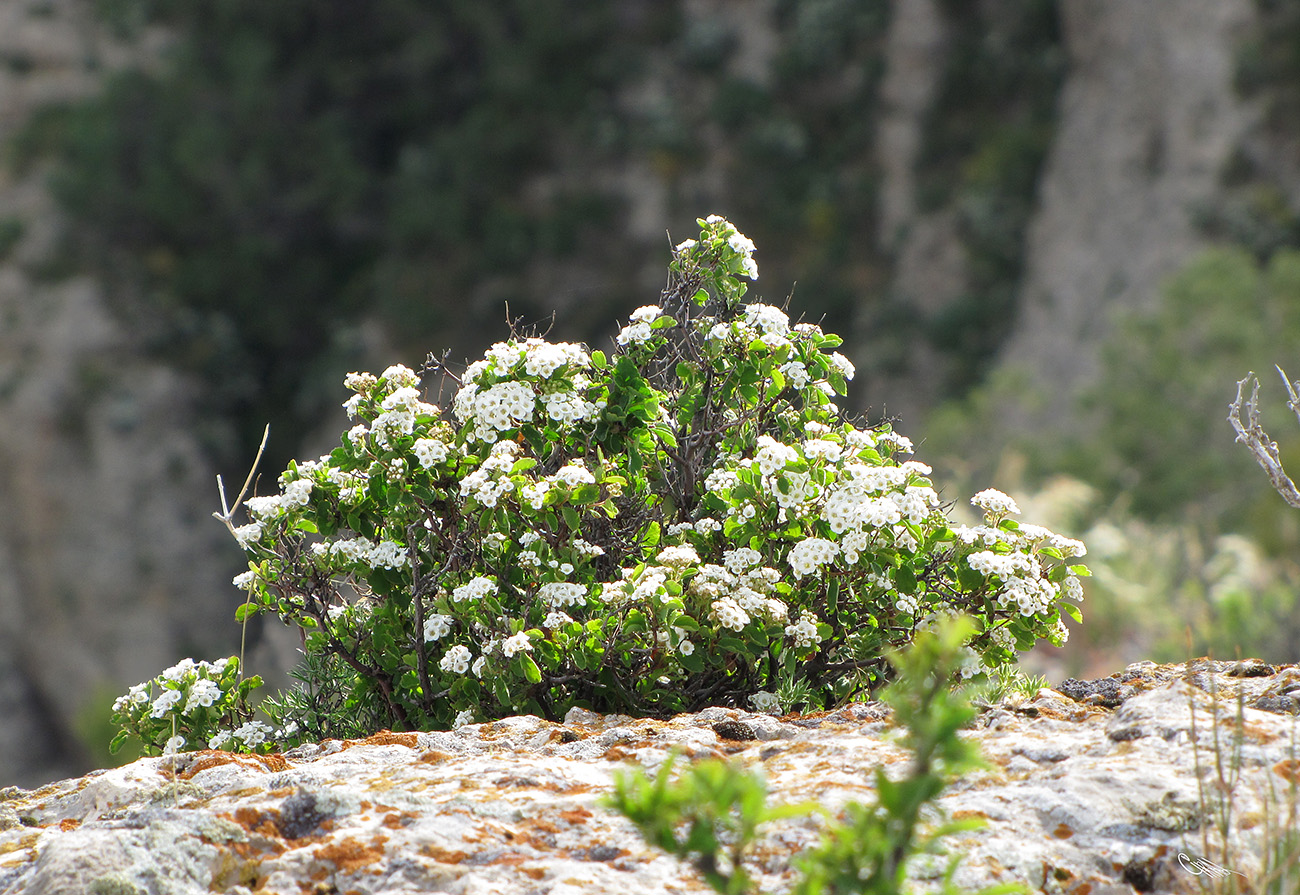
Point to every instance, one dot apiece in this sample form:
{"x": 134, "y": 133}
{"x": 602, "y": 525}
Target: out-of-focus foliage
{"x": 292, "y": 166}
{"x": 290, "y": 169}
{"x": 985, "y": 140}
{"x": 1152, "y": 431}
{"x": 1167, "y": 378}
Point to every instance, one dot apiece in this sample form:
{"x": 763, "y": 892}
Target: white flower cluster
{"x": 518, "y": 643}
{"x": 456, "y": 660}
{"x": 509, "y": 403}
{"x": 804, "y": 631}
{"x": 187, "y": 680}
{"x": 475, "y": 589}
{"x": 637, "y": 588}
{"x": 247, "y": 736}
{"x": 995, "y": 504}
{"x": 568, "y": 477}
{"x": 640, "y": 329}
{"x": 437, "y": 627}
{"x": 738, "y": 241}
{"x": 555, "y": 594}
{"x": 491, "y": 480}
{"x": 810, "y": 554}
{"x": 374, "y": 555}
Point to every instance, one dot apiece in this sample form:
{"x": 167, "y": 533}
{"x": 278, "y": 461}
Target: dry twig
{"x": 1252, "y": 434}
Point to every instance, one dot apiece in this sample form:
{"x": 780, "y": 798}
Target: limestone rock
{"x": 1077, "y": 798}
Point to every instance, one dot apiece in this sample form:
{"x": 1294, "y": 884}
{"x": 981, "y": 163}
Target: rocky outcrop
{"x": 1109, "y": 793}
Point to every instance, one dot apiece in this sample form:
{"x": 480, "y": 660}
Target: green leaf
{"x": 598, "y": 360}
{"x": 905, "y": 579}
{"x": 246, "y": 611}
{"x": 1072, "y": 611}
{"x": 572, "y": 519}
{"x": 651, "y": 536}
{"x": 531, "y": 672}
{"x": 833, "y": 596}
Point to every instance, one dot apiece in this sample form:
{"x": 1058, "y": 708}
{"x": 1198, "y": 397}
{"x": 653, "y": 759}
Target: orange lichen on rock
{"x": 212, "y": 758}
{"x": 1288, "y": 769}
{"x": 443, "y": 855}
{"x": 388, "y": 738}
{"x": 350, "y": 854}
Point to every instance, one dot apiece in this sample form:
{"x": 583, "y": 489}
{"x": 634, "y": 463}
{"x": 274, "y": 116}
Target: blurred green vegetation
{"x": 986, "y": 137}
{"x": 290, "y": 171}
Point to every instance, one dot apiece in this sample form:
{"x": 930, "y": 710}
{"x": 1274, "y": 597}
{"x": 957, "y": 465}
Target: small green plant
{"x": 189, "y": 706}
{"x": 688, "y": 521}
{"x": 710, "y": 813}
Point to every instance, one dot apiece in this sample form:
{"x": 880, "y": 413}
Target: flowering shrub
{"x": 687, "y": 521}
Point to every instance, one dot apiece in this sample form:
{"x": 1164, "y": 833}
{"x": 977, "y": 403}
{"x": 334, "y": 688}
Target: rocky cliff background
{"x": 970, "y": 192}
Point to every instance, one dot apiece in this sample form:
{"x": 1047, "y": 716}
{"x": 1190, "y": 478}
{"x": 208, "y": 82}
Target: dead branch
{"x": 1252, "y": 434}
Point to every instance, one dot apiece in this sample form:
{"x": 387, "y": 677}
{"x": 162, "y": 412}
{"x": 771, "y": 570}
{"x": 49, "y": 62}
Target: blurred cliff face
{"x": 957, "y": 188}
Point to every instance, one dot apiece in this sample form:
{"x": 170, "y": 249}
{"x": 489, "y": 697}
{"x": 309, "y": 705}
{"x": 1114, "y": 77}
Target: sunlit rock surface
{"x": 1079, "y": 797}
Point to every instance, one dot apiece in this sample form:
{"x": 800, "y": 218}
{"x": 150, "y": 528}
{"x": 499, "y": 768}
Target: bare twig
{"x": 1252, "y": 435}
{"x": 227, "y": 513}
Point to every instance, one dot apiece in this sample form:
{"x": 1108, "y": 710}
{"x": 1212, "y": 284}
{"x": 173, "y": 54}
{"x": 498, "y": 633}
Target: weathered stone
{"x": 1076, "y": 798}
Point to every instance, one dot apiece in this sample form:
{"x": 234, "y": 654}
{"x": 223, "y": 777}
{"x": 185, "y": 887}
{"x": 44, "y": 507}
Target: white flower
{"x": 994, "y": 503}
{"x": 635, "y": 334}
{"x": 560, "y": 593}
{"x": 297, "y": 493}
{"x": 476, "y": 588}
{"x": 678, "y": 557}
{"x": 544, "y": 358}
{"x": 765, "y": 702}
{"x": 477, "y": 667}
{"x": 264, "y": 507}
{"x": 203, "y": 693}
{"x": 515, "y": 644}
{"x": 430, "y": 452}
{"x": 245, "y": 580}
{"x": 556, "y": 619}
{"x": 456, "y": 660}
{"x": 810, "y": 553}
{"x": 842, "y": 364}
{"x": 721, "y": 480}
{"x": 647, "y": 314}
{"x": 729, "y": 614}
{"x": 741, "y": 560}
{"x": 399, "y": 376}
{"x": 900, "y": 443}
{"x": 574, "y": 474}
{"x": 178, "y": 671}
{"x": 1069, "y": 547}
{"x": 804, "y": 631}
{"x": 388, "y": 555}
{"x": 219, "y": 739}
{"x": 767, "y": 319}
{"x": 253, "y": 733}
{"x": 360, "y": 382}
{"x": 1072, "y": 588}
{"x": 436, "y": 627}
{"x": 463, "y": 718}
{"x": 685, "y": 245}
{"x": 164, "y": 703}
{"x": 772, "y": 456}
{"x": 173, "y": 745}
